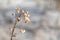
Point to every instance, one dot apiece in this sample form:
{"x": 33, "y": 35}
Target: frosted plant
{"x": 18, "y": 17}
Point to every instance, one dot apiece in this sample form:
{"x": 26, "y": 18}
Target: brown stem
{"x": 12, "y": 33}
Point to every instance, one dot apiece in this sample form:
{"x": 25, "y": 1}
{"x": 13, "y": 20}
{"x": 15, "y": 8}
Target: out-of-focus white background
{"x": 44, "y": 15}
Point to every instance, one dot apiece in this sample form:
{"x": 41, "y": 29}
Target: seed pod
{"x": 27, "y": 20}
{"x": 28, "y": 15}
{"x": 19, "y": 19}
{"x": 25, "y": 14}
{"x": 22, "y": 30}
{"x": 18, "y": 10}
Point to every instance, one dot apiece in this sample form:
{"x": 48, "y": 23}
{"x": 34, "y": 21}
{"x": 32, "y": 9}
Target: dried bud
{"x": 22, "y": 30}
{"x": 25, "y": 14}
{"x": 19, "y": 19}
{"x": 27, "y": 20}
{"x": 18, "y": 10}
{"x": 28, "y": 15}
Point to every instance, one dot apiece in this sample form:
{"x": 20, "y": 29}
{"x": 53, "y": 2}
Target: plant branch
{"x": 12, "y": 32}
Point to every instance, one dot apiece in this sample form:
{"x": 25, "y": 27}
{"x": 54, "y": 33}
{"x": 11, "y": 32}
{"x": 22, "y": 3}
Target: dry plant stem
{"x": 12, "y": 33}
{"x": 26, "y": 18}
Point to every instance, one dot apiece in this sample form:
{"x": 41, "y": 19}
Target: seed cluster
{"x": 18, "y": 17}
{"x": 23, "y": 13}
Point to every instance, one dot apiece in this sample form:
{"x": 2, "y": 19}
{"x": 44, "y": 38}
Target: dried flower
{"x": 27, "y": 20}
{"x": 19, "y": 19}
{"x": 22, "y": 30}
{"x": 25, "y": 14}
{"x": 28, "y": 15}
{"x": 18, "y": 10}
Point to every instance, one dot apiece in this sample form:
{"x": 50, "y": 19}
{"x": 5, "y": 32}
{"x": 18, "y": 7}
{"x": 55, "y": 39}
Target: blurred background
{"x": 44, "y": 15}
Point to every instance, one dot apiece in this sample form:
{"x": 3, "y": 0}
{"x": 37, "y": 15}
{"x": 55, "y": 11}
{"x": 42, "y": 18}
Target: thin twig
{"x": 12, "y": 33}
